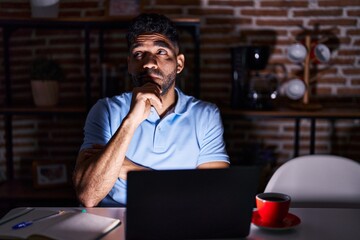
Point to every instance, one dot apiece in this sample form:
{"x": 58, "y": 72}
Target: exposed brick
{"x": 339, "y": 61}
{"x": 338, "y": 3}
{"x": 56, "y": 32}
{"x": 348, "y": 91}
{"x": 326, "y": 91}
{"x": 215, "y": 50}
{"x": 326, "y": 32}
{"x": 353, "y": 13}
{"x": 219, "y": 40}
{"x": 217, "y": 30}
{"x": 231, "y": 3}
{"x": 78, "y": 5}
{"x": 278, "y": 23}
{"x": 210, "y": 11}
{"x": 355, "y": 82}
{"x": 284, "y": 4}
{"x": 334, "y": 22}
{"x": 5, "y": 4}
{"x": 24, "y": 14}
{"x": 64, "y": 50}
{"x": 67, "y": 41}
{"x": 262, "y": 13}
{"x": 230, "y": 21}
{"x": 318, "y": 13}
{"x": 179, "y": 3}
{"x": 353, "y": 31}
{"x": 357, "y": 43}
{"x": 351, "y": 71}
{"x": 166, "y": 10}
{"x": 348, "y": 52}
{"x": 333, "y": 80}
{"x": 223, "y": 24}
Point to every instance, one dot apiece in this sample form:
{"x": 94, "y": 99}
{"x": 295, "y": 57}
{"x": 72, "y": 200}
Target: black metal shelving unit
{"x": 87, "y": 25}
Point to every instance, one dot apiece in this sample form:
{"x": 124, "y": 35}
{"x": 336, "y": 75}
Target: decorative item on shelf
{"x": 44, "y": 8}
{"x": 45, "y": 75}
{"x": 295, "y": 89}
{"x": 122, "y": 8}
{"x": 49, "y": 174}
{"x": 307, "y": 53}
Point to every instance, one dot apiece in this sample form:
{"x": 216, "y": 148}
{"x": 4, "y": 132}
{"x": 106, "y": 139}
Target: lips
{"x": 149, "y": 77}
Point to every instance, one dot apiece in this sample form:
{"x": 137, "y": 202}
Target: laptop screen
{"x": 190, "y": 204}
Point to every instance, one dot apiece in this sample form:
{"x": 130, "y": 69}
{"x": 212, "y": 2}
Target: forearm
{"x": 215, "y": 164}
{"x": 95, "y": 176}
{"x": 128, "y": 166}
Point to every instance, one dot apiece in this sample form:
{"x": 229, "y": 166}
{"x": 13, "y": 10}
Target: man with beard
{"x": 155, "y": 126}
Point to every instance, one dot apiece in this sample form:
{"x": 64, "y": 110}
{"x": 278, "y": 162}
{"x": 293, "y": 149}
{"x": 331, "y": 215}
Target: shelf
{"x": 15, "y": 190}
{"x": 94, "y": 22}
{"x": 20, "y": 110}
{"x": 87, "y": 25}
{"x": 333, "y": 112}
{"x": 332, "y": 108}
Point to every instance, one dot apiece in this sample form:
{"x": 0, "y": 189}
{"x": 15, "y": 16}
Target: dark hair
{"x": 149, "y": 23}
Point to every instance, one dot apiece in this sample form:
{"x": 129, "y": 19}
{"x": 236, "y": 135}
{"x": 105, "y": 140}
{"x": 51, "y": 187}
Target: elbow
{"x": 84, "y": 196}
{"x": 87, "y": 201}
{"x": 88, "y": 204}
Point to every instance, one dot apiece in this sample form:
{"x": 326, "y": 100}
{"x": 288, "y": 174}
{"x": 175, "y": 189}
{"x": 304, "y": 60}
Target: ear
{"x": 180, "y": 63}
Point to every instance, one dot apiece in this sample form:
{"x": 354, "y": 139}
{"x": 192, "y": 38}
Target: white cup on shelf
{"x": 296, "y": 52}
{"x": 295, "y": 89}
{"x": 44, "y": 8}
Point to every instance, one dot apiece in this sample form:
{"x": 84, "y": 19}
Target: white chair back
{"x": 318, "y": 180}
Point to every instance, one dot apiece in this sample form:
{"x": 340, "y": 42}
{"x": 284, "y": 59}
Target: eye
{"x": 137, "y": 55}
{"x": 162, "y": 52}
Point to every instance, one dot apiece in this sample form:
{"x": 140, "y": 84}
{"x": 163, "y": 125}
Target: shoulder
{"x": 191, "y": 105}
{"x": 116, "y": 104}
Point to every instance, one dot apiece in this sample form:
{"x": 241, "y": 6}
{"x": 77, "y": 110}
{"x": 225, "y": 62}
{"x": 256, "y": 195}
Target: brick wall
{"x": 224, "y": 24}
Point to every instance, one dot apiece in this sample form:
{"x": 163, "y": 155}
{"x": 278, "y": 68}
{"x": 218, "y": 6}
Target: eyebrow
{"x": 163, "y": 44}
{"x": 158, "y": 43}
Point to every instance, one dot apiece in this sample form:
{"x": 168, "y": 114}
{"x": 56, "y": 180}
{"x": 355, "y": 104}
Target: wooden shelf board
{"x": 328, "y": 109}
{"x": 41, "y": 110}
{"x": 24, "y": 190}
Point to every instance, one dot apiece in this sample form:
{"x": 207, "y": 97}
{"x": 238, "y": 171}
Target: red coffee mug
{"x": 272, "y": 207}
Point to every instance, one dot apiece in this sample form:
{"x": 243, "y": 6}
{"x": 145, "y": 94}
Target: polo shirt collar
{"x": 180, "y": 107}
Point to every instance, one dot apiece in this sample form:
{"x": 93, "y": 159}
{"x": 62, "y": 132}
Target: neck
{"x": 169, "y": 100}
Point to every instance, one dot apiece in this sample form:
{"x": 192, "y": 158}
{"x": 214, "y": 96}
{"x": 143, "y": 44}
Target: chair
{"x": 318, "y": 181}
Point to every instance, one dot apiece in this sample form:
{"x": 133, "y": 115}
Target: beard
{"x": 143, "y": 77}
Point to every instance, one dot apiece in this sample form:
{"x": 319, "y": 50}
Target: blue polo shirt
{"x": 188, "y": 136}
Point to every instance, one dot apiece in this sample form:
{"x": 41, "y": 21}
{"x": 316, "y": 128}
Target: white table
{"x": 316, "y": 223}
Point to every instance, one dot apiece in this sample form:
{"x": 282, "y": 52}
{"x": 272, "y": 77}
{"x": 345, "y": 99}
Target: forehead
{"x": 153, "y": 39}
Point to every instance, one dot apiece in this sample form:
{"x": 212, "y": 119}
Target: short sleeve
{"x": 212, "y": 147}
{"x": 97, "y": 125}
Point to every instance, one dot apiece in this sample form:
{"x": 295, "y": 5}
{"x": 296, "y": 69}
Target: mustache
{"x": 148, "y": 72}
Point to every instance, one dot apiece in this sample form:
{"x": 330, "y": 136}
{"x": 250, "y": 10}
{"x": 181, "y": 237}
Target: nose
{"x": 150, "y": 61}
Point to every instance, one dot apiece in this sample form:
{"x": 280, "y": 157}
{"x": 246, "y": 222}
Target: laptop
{"x": 190, "y": 204}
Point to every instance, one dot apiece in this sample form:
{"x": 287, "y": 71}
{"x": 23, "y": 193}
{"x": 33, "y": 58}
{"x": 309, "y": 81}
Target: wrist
{"x": 130, "y": 124}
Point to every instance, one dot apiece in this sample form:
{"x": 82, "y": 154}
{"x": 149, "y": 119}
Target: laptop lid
{"x": 190, "y": 204}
